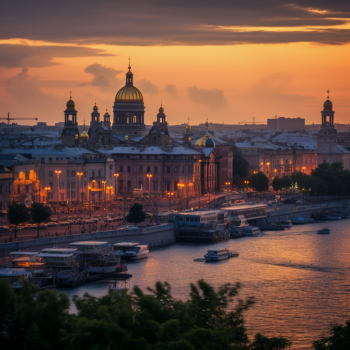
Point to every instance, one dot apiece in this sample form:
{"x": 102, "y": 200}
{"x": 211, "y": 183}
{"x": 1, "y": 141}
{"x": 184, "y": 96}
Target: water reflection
{"x": 300, "y": 280}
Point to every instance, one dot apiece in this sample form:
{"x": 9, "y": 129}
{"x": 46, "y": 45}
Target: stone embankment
{"x": 280, "y": 214}
{"x": 154, "y": 236}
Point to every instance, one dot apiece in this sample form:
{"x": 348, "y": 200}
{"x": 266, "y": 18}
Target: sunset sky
{"x": 224, "y": 60}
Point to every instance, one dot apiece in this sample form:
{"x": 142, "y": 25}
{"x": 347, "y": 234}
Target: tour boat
{"x": 298, "y": 221}
{"x": 286, "y": 223}
{"x": 130, "y": 251}
{"x": 16, "y": 276}
{"x": 333, "y": 217}
{"x": 219, "y": 254}
{"x": 96, "y": 257}
{"x": 324, "y": 231}
{"x": 251, "y": 231}
{"x": 209, "y": 226}
{"x": 59, "y": 259}
{"x": 28, "y": 260}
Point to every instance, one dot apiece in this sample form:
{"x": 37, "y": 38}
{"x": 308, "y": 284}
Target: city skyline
{"x": 228, "y": 64}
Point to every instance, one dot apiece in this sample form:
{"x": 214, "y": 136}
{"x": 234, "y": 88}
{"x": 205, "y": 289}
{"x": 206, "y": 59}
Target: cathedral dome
{"x": 129, "y": 94}
{"x": 205, "y": 141}
{"x": 84, "y": 135}
{"x": 328, "y": 104}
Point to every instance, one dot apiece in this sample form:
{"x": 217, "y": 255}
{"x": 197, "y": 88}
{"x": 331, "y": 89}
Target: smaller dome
{"x": 70, "y": 104}
{"x": 161, "y": 109}
{"x": 209, "y": 142}
{"x": 95, "y": 108}
{"x": 328, "y": 104}
{"x": 189, "y": 139}
{"x": 126, "y": 137}
{"x": 76, "y": 136}
{"x": 84, "y": 135}
{"x": 106, "y": 114}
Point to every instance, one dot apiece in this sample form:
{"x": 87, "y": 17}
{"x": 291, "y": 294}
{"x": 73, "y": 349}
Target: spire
{"x": 129, "y": 64}
{"x": 129, "y": 76}
{"x": 70, "y": 94}
{"x": 207, "y": 124}
{"x": 84, "y": 124}
{"x": 328, "y": 94}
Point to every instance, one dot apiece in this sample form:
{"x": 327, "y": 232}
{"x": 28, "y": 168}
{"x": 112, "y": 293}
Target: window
{"x": 111, "y": 167}
{"x": 140, "y": 169}
{"x": 61, "y": 185}
{"x": 73, "y": 173}
{"x": 120, "y": 168}
{"x": 128, "y": 169}
{"x": 148, "y": 169}
{"x": 99, "y": 173}
{"x": 156, "y": 169}
{"x": 50, "y": 173}
{"x": 50, "y": 158}
{"x": 50, "y": 195}
{"x": 168, "y": 185}
{"x": 155, "y": 185}
{"x": 85, "y": 174}
{"x": 72, "y": 184}
{"x": 155, "y": 157}
{"x": 93, "y": 173}
{"x": 189, "y": 169}
{"x": 51, "y": 185}
{"x": 168, "y": 169}
{"x": 183, "y": 169}
{"x": 175, "y": 169}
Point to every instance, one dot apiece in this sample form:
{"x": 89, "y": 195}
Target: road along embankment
{"x": 280, "y": 214}
{"x": 154, "y": 236}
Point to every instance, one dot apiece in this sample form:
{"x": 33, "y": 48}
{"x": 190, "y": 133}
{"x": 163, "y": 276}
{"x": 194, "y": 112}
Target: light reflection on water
{"x": 300, "y": 279}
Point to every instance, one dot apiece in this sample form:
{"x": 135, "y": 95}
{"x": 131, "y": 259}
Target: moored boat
{"x": 298, "y": 220}
{"x": 16, "y": 276}
{"x": 333, "y": 217}
{"x": 130, "y": 251}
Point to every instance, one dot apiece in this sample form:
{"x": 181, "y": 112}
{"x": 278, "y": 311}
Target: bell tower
{"x": 70, "y": 130}
{"x": 327, "y": 136}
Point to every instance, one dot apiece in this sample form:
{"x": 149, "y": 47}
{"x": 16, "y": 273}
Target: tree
{"x": 277, "y": 183}
{"x": 287, "y": 181}
{"x": 136, "y": 214}
{"x": 339, "y": 338}
{"x": 40, "y": 213}
{"x": 260, "y": 182}
{"x": 17, "y": 213}
{"x": 240, "y": 166}
{"x": 209, "y": 319}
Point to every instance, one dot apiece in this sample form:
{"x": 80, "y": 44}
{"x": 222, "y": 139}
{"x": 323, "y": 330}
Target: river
{"x": 300, "y": 280}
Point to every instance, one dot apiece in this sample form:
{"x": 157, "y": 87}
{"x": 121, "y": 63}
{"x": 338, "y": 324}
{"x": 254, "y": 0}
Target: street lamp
{"x": 58, "y": 172}
{"x": 246, "y": 183}
{"x": 109, "y": 189}
{"x": 170, "y": 194}
{"x": 89, "y": 198}
{"x": 80, "y": 175}
{"x": 149, "y": 184}
{"x": 116, "y": 184}
{"x": 47, "y": 189}
{"x": 227, "y": 184}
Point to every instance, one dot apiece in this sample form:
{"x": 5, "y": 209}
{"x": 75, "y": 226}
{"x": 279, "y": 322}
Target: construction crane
{"x": 12, "y": 118}
{"x": 253, "y": 122}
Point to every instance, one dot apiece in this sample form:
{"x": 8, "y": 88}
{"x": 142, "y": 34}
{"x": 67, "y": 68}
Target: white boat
{"x": 333, "y": 217}
{"x": 345, "y": 216}
{"x": 27, "y": 260}
{"x": 16, "y": 276}
{"x": 324, "y": 230}
{"x": 130, "y": 250}
{"x": 59, "y": 259}
{"x": 251, "y": 231}
{"x": 298, "y": 220}
{"x": 217, "y": 255}
{"x": 286, "y": 223}
{"x": 96, "y": 256}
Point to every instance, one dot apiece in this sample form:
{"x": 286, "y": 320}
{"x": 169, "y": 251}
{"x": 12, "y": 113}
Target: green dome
{"x": 129, "y": 93}
{"x": 328, "y": 104}
{"x": 161, "y": 109}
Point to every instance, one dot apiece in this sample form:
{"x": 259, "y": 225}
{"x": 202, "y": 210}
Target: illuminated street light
{"x": 58, "y": 172}
{"x": 116, "y": 184}
{"x": 80, "y": 175}
{"x": 47, "y": 189}
{"x": 149, "y": 184}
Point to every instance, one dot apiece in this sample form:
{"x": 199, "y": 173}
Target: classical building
{"x": 286, "y": 124}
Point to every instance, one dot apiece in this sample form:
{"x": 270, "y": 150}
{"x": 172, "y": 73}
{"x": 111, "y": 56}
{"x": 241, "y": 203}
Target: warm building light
{"x": 261, "y": 163}
{"x": 58, "y": 171}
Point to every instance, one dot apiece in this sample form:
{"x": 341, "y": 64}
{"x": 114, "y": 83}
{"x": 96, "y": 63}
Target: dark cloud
{"x": 171, "y": 89}
{"x": 212, "y": 98}
{"x": 190, "y": 22}
{"x": 147, "y": 87}
{"x": 13, "y": 56}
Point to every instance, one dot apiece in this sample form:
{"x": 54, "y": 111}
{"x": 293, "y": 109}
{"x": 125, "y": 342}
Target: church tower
{"x": 70, "y": 130}
{"x": 107, "y": 120}
{"x": 95, "y": 118}
{"x": 327, "y": 136}
{"x": 129, "y": 109}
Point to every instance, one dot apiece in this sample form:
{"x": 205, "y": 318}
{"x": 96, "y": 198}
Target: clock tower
{"x": 327, "y": 136}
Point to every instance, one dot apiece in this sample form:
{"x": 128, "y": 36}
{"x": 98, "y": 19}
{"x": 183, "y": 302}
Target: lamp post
{"x": 116, "y": 185}
{"x": 170, "y": 194}
{"x": 149, "y": 185}
{"x": 58, "y": 172}
{"x": 79, "y": 175}
{"x": 227, "y": 184}
{"x": 181, "y": 185}
{"x": 89, "y": 198}
{"x": 47, "y": 189}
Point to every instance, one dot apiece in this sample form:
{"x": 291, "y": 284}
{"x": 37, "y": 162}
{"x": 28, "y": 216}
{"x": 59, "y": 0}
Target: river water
{"x": 300, "y": 280}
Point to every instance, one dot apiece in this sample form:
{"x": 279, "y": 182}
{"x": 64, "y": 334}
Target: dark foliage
{"x": 136, "y": 214}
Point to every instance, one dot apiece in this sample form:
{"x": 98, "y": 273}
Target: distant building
{"x": 283, "y": 124}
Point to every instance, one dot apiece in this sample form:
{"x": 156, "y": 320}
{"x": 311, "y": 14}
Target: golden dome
{"x": 161, "y": 109}
{"x": 205, "y": 141}
{"x": 328, "y": 104}
{"x": 84, "y": 135}
{"x": 129, "y": 94}
{"x": 126, "y": 137}
{"x": 76, "y": 136}
{"x": 70, "y": 104}
{"x": 189, "y": 139}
